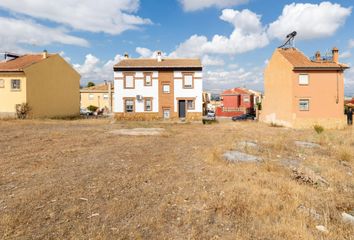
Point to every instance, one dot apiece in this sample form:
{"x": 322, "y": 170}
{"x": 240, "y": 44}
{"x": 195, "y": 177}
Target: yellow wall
{"x": 53, "y": 88}
{"x": 98, "y": 99}
{"x": 277, "y": 103}
{"x": 9, "y": 98}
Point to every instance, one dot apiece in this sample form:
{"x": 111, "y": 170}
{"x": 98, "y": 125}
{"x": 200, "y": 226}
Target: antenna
{"x": 290, "y": 38}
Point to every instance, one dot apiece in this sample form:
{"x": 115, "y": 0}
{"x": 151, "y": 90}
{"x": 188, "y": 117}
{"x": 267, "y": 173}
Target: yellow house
{"x": 302, "y": 92}
{"x": 100, "y": 96}
{"x": 45, "y": 81}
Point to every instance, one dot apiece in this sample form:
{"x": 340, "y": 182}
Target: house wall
{"x": 53, "y": 88}
{"x": 146, "y": 91}
{"x": 10, "y": 98}
{"x": 98, "y": 99}
{"x": 196, "y": 92}
{"x": 278, "y": 99}
{"x": 160, "y": 100}
{"x": 326, "y": 105}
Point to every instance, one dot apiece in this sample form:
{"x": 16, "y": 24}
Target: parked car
{"x": 243, "y": 117}
{"x": 85, "y": 112}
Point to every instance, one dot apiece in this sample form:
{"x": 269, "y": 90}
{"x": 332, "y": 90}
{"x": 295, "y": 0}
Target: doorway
{"x": 182, "y": 108}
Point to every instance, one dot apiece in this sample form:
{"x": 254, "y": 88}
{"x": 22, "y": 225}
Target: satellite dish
{"x": 289, "y": 43}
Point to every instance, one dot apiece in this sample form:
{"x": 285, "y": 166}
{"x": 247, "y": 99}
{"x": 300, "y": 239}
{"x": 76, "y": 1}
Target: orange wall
{"x": 323, "y": 94}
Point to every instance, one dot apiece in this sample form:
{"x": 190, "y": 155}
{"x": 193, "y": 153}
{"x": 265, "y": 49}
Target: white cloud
{"x": 93, "y": 69}
{"x": 349, "y": 82}
{"x": 193, "y": 5}
{"x": 212, "y": 61}
{"x": 345, "y": 55}
{"x": 109, "y": 16}
{"x": 26, "y": 32}
{"x": 309, "y": 20}
{"x": 248, "y": 35}
{"x": 351, "y": 43}
{"x": 218, "y": 80}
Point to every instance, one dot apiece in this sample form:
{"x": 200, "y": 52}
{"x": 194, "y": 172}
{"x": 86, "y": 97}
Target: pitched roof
{"x": 20, "y": 63}
{"x": 300, "y": 61}
{"x": 153, "y": 63}
{"x": 98, "y": 88}
{"x": 236, "y": 91}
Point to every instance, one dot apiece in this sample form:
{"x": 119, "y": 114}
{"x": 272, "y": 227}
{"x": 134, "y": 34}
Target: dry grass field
{"x": 78, "y": 180}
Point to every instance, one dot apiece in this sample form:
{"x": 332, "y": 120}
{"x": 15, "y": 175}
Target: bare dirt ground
{"x": 76, "y": 180}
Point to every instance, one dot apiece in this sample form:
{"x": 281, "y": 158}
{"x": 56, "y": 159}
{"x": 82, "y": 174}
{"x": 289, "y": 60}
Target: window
{"x": 91, "y": 96}
{"x": 148, "y": 104}
{"x": 188, "y": 81}
{"x": 129, "y": 105}
{"x": 129, "y": 81}
{"x": 246, "y": 99}
{"x": 166, "y": 88}
{"x": 304, "y": 105}
{"x": 304, "y": 79}
{"x": 2, "y": 83}
{"x": 148, "y": 79}
{"x": 105, "y": 96}
{"x": 190, "y": 104}
{"x": 15, "y": 84}
{"x": 166, "y": 113}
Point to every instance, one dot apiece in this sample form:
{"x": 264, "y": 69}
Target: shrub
{"x": 209, "y": 121}
{"x": 92, "y": 108}
{"x": 22, "y": 110}
{"x": 318, "y": 128}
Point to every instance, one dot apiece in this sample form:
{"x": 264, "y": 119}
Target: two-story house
{"x": 158, "y": 88}
{"x": 301, "y": 92}
{"x": 100, "y": 96}
{"x": 46, "y": 82}
{"x": 235, "y": 102}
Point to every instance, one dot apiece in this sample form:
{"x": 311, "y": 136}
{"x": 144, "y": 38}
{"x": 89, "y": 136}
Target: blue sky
{"x": 234, "y": 38}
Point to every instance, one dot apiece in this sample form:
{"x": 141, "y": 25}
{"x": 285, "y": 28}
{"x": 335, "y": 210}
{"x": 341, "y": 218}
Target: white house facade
{"x": 158, "y": 88}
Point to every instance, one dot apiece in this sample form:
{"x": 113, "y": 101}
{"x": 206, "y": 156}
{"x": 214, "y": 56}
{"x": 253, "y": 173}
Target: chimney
{"x": 318, "y": 56}
{"x": 45, "y": 54}
{"x": 159, "y": 57}
{"x": 335, "y": 53}
{"x": 126, "y": 55}
{"x": 105, "y": 82}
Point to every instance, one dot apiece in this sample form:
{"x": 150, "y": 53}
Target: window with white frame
{"x": 246, "y": 99}
{"x": 2, "y": 83}
{"x": 190, "y": 104}
{"x": 148, "y": 79}
{"x": 15, "y": 84}
{"x": 303, "y": 79}
{"x": 105, "y": 96}
{"x": 91, "y": 96}
{"x": 188, "y": 81}
{"x": 148, "y": 104}
{"x": 129, "y": 81}
{"x": 166, "y": 88}
{"x": 166, "y": 113}
{"x": 129, "y": 105}
{"x": 304, "y": 104}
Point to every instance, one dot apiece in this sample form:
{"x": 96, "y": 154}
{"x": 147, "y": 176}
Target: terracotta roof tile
{"x": 299, "y": 60}
{"x": 236, "y": 91}
{"x": 20, "y": 63}
{"x": 99, "y": 87}
{"x": 153, "y": 63}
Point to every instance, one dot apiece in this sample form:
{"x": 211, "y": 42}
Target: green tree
{"x": 91, "y": 84}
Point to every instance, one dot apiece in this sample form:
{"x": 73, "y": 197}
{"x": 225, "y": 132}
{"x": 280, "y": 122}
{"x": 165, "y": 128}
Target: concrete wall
{"x": 146, "y": 91}
{"x": 98, "y": 99}
{"x": 10, "y": 98}
{"x": 278, "y": 93}
{"x": 196, "y": 92}
{"x": 53, "y": 88}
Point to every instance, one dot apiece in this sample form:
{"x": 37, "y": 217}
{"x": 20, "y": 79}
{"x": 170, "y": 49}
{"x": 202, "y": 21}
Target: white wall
{"x": 153, "y": 91}
{"x": 196, "y": 92}
{"x": 140, "y": 89}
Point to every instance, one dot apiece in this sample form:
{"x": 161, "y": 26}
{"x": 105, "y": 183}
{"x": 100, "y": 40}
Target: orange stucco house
{"x": 301, "y": 92}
